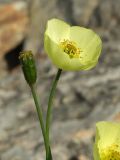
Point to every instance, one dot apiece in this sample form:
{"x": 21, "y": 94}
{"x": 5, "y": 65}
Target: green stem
{"x": 50, "y": 102}
{"x": 40, "y": 116}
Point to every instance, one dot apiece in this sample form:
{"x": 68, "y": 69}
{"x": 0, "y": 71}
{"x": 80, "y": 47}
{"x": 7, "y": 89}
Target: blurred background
{"x": 82, "y": 98}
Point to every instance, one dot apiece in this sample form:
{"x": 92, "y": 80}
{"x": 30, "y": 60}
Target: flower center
{"x": 70, "y": 48}
{"x": 111, "y": 153}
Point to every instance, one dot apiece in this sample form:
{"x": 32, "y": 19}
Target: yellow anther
{"x": 111, "y": 153}
{"x": 25, "y": 54}
{"x": 70, "y": 48}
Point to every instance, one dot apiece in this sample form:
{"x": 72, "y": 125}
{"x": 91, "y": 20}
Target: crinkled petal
{"x": 109, "y": 132}
{"x": 57, "y": 30}
{"x": 61, "y": 59}
{"x": 96, "y": 153}
{"x": 58, "y": 57}
{"x": 88, "y": 41}
{"x": 107, "y": 136}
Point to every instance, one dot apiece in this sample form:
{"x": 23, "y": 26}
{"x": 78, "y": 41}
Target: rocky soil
{"x": 82, "y": 98}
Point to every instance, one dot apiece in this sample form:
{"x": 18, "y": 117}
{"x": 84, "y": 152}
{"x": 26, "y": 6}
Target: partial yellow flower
{"x": 71, "y": 47}
{"x": 107, "y": 142}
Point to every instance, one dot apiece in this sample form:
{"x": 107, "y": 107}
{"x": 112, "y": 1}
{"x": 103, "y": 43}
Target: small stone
{"x": 82, "y": 157}
{"x": 7, "y": 94}
{"x": 83, "y": 135}
{"x": 116, "y": 117}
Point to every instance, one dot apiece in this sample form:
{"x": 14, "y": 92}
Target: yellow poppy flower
{"x": 71, "y": 47}
{"x": 107, "y": 142}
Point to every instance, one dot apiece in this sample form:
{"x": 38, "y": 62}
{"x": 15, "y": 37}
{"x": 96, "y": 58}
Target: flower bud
{"x": 28, "y": 66}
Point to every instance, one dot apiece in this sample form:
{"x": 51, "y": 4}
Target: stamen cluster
{"x": 111, "y": 153}
{"x": 70, "y": 48}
